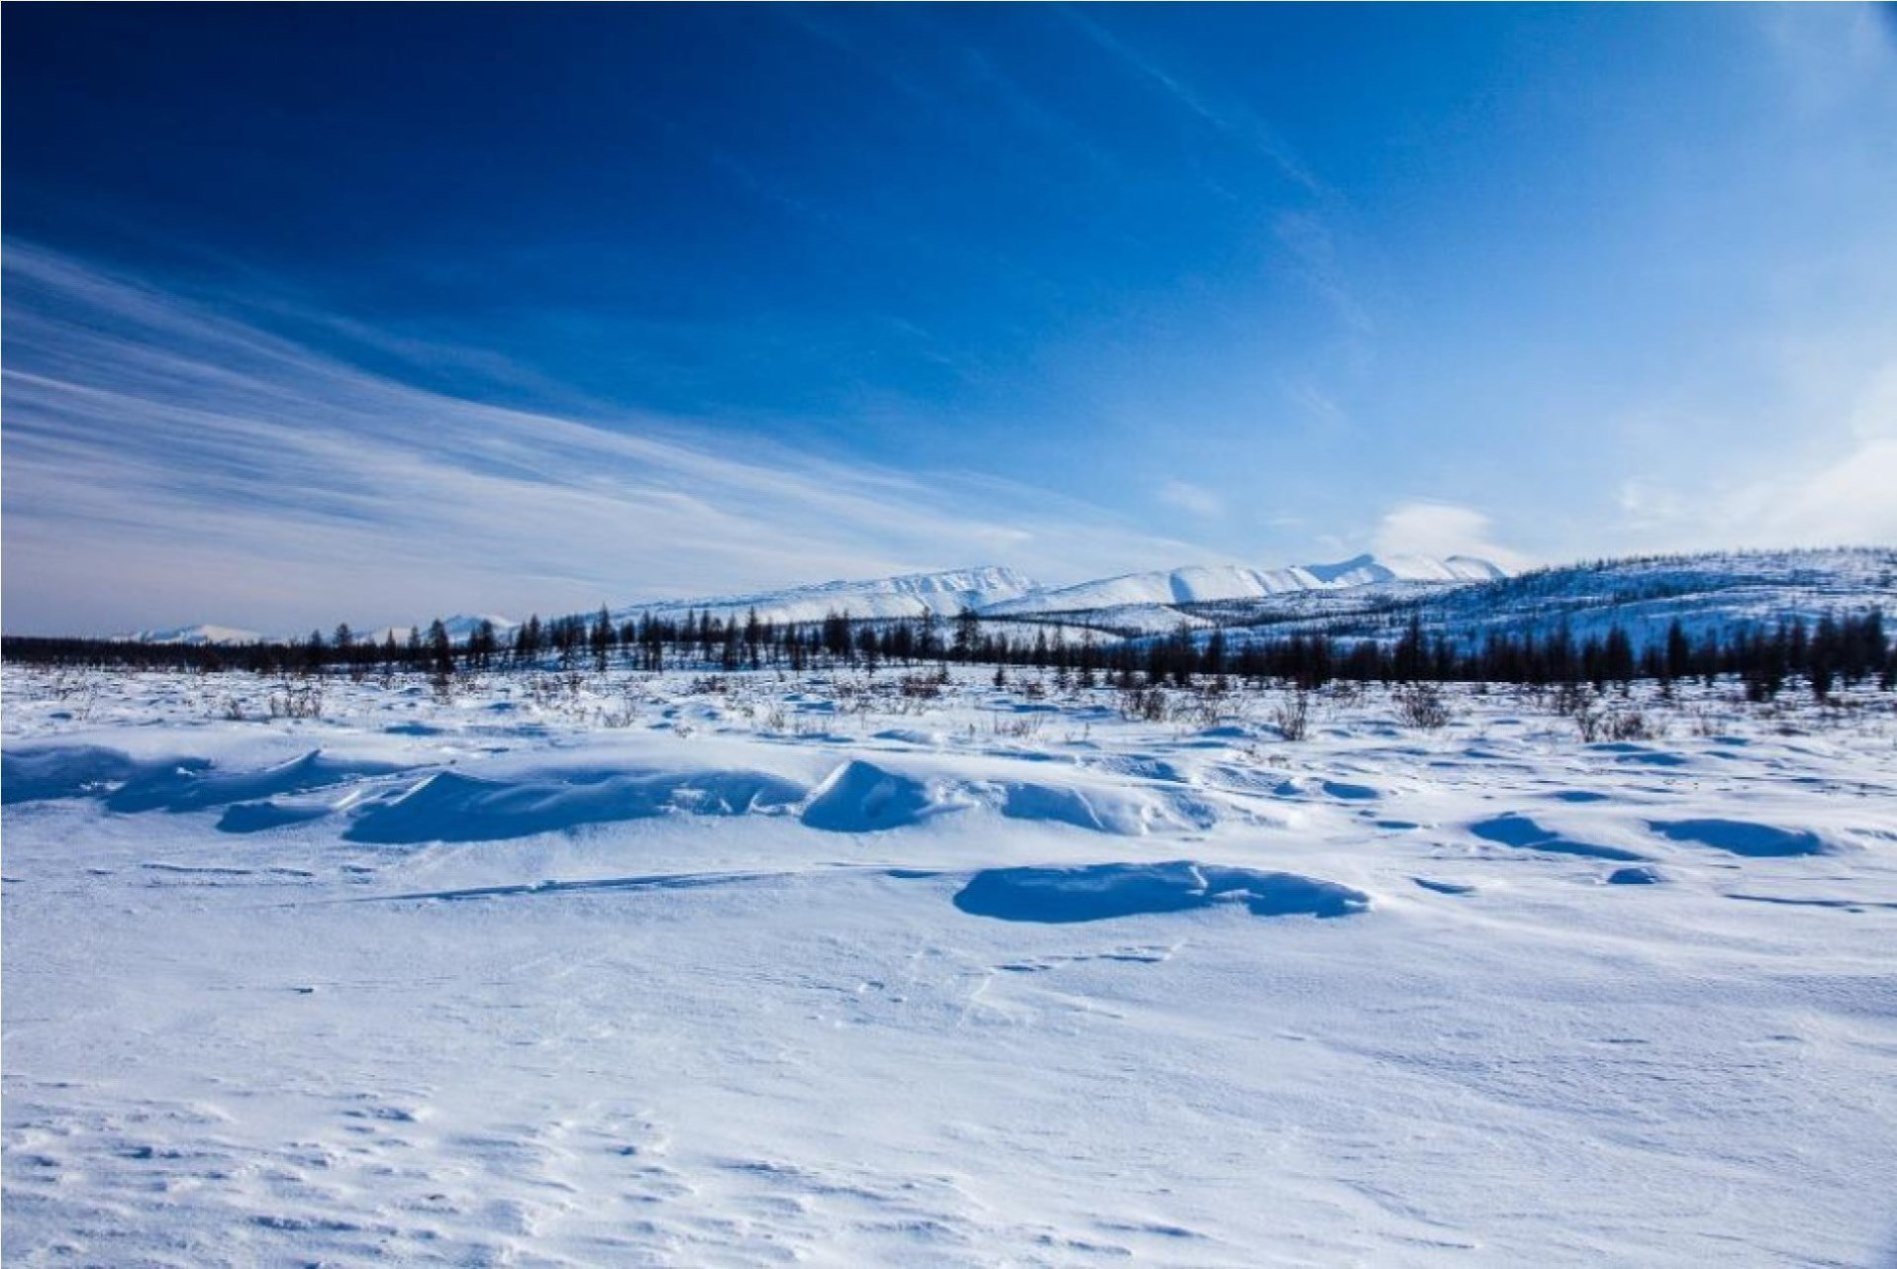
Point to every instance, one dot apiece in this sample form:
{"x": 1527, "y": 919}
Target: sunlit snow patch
{"x": 861, "y": 797}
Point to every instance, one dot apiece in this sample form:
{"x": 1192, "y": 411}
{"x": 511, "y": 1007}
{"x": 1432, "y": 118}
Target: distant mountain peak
{"x": 1222, "y": 583}
{"x": 1368, "y": 568}
{"x": 1328, "y": 573}
{"x": 943, "y": 592}
{"x": 200, "y": 635}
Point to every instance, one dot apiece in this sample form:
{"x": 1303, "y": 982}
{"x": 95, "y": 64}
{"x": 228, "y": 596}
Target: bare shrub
{"x": 1201, "y": 709}
{"x": 1292, "y": 716}
{"x": 297, "y": 700}
{"x": 1345, "y": 692}
{"x": 920, "y": 687}
{"x": 1629, "y": 724}
{"x": 1573, "y": 699}
{"x": 1021, "y": 727}
{"x": 625, "y": 714}
{"x": 1578, "y": 702}
{"x": 1146, "y": 704}
{"x": 1422, "y": 705}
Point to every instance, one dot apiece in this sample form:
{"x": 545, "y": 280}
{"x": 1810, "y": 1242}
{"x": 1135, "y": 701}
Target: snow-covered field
{"x": 559, "y": 970}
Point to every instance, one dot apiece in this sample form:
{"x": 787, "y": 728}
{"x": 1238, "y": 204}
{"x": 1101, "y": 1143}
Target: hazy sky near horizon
{"x": 315, "y": 313}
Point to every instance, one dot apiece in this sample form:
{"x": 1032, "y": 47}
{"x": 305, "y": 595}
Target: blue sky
{"x": 316, "y": 313}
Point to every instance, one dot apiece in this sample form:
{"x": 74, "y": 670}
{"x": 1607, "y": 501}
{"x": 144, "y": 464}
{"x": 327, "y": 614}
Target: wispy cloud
{"x": 1192, "y": 499}
{"x": 1235, "y": 121}
{"x": 1441, "y": 529}
{"x": 166, "y": 463}
{"x": 1842, "y": 492}
{"x": 1306, "y": 233}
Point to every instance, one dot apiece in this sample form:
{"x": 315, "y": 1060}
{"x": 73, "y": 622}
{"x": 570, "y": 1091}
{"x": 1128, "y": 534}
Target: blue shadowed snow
{"x": 1064, "y": 806}
{"x": 1098, "y": 892}
{"x": 195, "y": 787}
{"x": 71, "y": 771}
{"x": 257, "y": 817}
{"x": 1741, "y": 837}
{"x": 1524, "y": 834}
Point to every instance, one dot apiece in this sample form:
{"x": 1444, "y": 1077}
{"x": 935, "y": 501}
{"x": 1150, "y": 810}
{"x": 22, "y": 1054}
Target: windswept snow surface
{"x": 571, "y": 970}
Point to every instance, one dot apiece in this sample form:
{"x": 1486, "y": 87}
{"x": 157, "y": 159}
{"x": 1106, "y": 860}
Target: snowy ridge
{"x": 200, "y": 635}
{"x": 996, "y": 591}
{"x": 1364, "y": 596}
{"x": 1711, "y": 593}
{"x": 459, "y": 628}
{"x": 910, "y": 595}
{"x": 1202, "y": 585}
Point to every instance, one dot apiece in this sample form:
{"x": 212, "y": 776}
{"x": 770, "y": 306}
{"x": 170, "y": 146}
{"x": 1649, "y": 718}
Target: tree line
{"x": 1835, "y": 650}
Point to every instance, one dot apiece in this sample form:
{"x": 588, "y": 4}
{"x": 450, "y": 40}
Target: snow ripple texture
{"x": 657, "y": 971}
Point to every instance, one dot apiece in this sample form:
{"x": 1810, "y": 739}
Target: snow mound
{"x": 1122, "y": 812}
{"x": 449, "y": 807}
{"x": 1742, "y": 837}
{"x": 64, "y": 771}
{"x": 861, "y": 797}
{"x": 258, "y": 817}
{"x": 1517, "y": 830}
{"x": 195, "y": 785}
{"x": 1098, "y": 892}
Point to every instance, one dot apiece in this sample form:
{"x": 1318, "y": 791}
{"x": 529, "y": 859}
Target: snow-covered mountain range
{"x": 998, "y": 592}
{"x": 459, "y": 627}
{"x": 197, "y": 636}
{"x": 1366, "y": 595}
{"x": 1184, "y": 586}
{"x": 910, "y": 595}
